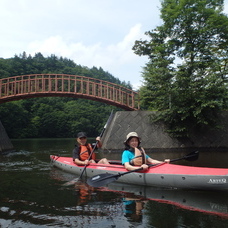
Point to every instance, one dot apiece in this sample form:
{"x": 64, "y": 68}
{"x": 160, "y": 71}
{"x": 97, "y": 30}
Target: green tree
{"x": 4, "y": 68}
{"x": 52, "y": 116}
{"x": 186, "y": 76}
{"x": 15, "y": 119}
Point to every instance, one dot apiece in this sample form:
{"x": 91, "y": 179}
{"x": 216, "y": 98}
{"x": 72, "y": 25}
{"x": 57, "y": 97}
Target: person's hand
{"x": 86, "y": 162}
{"x": 98, "y": 138}
{"x": 167, "y": 160}
{"x": 144, "y": 166}
{"x": 92, "y": 161}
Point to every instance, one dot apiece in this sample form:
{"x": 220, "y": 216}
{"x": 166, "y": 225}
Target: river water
{"x": 32, "y": 195}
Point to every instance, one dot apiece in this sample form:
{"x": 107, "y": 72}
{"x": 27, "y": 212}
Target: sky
{"x": 98, "y": 33}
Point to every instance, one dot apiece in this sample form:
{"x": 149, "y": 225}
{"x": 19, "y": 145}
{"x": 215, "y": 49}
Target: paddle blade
{"x": 102, "y": 179}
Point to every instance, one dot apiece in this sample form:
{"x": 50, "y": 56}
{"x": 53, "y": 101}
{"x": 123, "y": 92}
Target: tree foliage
{"x": 185, "y": 78}
{"x": 23, "y": 65}
{"x": 53, "y": 116}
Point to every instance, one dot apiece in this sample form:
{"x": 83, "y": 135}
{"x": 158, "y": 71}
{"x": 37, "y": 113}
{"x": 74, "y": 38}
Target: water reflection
{"x": 203, "y": 201}
{"x": 134, "y": 208}
{"x": 85, "y": 193}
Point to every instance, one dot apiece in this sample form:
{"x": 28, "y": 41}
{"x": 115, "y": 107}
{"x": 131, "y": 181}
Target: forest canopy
{"x": 53, "y": 116}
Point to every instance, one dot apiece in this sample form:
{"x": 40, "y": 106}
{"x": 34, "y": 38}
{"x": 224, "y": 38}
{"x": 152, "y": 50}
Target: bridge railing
{"x": 57, "y": 84}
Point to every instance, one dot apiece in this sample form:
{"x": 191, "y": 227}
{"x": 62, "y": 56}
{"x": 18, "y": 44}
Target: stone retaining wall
{"x": 5, "y": 143}
{"x": 153, "y": 136}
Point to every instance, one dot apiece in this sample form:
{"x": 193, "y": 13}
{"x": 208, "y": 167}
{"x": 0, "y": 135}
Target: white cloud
{"x": 110, "y": 57}
{"x": 97, "y": 33}
{"x": 226, "y": 6}
{"x": 92, "y": 33}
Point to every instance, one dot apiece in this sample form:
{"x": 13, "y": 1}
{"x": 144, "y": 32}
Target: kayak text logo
{"x": 96, "y": 177}
{"x": 217, "y": 181}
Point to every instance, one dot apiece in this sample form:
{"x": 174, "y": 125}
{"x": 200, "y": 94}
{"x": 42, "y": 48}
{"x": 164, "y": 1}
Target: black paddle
{"x": 106, "y": 178}
{"x": 90, "y": 156}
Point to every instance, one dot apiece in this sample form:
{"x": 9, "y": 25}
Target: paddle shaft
{"x": 90, "y": 156}
{"x": 191, "y": 155}
{"x": 139, "y": 169}
{"x": 106, "y": 178}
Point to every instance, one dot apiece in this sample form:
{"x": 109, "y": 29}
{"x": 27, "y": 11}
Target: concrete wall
{"x": 5, "y": 143}
{"x": 153, "y": 136}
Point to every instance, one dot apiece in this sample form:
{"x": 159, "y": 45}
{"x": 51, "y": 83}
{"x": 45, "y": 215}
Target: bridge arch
{"x": 45, "y": 85}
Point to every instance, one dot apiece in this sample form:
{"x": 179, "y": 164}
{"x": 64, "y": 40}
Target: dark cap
{"x": 81, "y": 135}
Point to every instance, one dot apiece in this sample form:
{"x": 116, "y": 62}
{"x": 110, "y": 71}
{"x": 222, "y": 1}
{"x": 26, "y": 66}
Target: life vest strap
{"x": 139, "y": 158}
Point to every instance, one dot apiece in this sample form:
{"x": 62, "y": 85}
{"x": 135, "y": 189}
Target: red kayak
{"x": 162, "y": 175}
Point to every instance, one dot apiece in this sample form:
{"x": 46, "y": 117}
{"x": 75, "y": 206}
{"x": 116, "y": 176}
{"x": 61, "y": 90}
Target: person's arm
{"x": 153, "y": 161}
{"x": 98, "y": 144}
{"x": 79, "y": 162}
{"x": 130, "y": 167}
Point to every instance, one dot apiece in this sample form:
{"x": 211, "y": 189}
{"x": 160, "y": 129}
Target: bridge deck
{"x": 35, "y": 85}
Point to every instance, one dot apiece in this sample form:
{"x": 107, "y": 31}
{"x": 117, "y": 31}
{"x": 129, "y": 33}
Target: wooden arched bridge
{"x": 43, "y": 85}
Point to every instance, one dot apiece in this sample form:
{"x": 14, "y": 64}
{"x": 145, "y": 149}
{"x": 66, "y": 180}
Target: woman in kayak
{"x": 82, "y": 151}
{"x": 134, "y": 156}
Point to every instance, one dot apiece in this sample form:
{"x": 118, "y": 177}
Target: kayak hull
{"x": 162, "y": 175}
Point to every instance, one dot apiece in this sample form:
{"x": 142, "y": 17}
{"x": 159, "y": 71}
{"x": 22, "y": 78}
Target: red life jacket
{"x": 85, "y": 151}
{"x": 140, "y": 157}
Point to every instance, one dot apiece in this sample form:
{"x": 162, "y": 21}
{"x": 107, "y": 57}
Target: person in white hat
{"x": 134, "y": 155}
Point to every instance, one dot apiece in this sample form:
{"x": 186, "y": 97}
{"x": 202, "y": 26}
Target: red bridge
{"x": 44, "y": 85}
